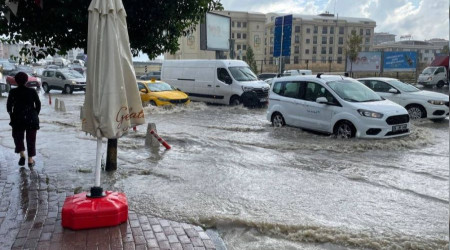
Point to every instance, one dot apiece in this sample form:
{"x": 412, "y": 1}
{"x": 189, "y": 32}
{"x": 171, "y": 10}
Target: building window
{"x": 265, "y": 41}
{"x": 271, "y": 30}
{"x": 340, "y": 50}
{"x": 341, "y": 30}
{"x": 367, "y": 40}
{"x": 339, "y": 60}
{"x": 426, "y": 51}
{"x": 238, "y": 47}
{"x": 308, "y": 30}
{"x": 295, "y": 59}
{"x": 330, "y": 50}
{"x": 297, "y": 29}
{"x": 238, "y": 35}
{"x": 271, "y": 60}
{"x": 297, "y": 39}
{"x": 244, "y": 24}
{"x": 271, "y": 40}
{"x": 244, "y": 35}
{"x": 368, "y": 32}
{"x": 314, "y": 39}
{"x": 366, "y": 48}
{"x": 238, "y": 24}
{"x": 331, "y": 40}
{"x": 232, "y": 35}
{"x": 308, "y": 41}
{"x": 323, "y": 50}
{"x": 324, "y": 40}
{"x": 315, "y": 29}
{"x": 331, "y": 30}
{"x": 323, "y": 59}
{"x": 232, "y": 24}
{"x": 324, "y": 30}
{"x": 287, "y": 60}
{"x": 271, "y": 50}
{"x": 361, "y": 32}
{"x": 244, "y": 47}
{"x": 314, "y": 50}
{"x": 341, "y": 40}
{"x": 297, "y": 49}
{"x": 314, "y": 60}
{"x": 307, "y": 51}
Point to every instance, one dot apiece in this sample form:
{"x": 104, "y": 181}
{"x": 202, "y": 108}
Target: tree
{"x": 445, "y": 50}
{"x": 154, "y": 26}
{"x": 251, "y": 60}
{"x": 353, "y": 47}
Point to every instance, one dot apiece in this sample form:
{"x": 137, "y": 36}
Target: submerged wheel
{"x": 415, "y": 112}
{"x": 278, "y": 120}
{"x": 45, "y": 87}
{"x": 234, "y": 101}
{"x": 345, "y": 130}
{"x": 153, "y": 103}
{"x": 440, "y": 84}
{"x": 68, "y": 89}
{"x": 437, "y": 120}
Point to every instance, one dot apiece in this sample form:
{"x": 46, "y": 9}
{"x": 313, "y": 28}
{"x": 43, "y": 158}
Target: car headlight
{"x": 245, "y": 88}
{"x": 163, "y": 99}
{"x": 74, "y": 82}
{"x": 436, "y": 102}
{"x": 430, "y": 78}
{"x": 368, "y": 113}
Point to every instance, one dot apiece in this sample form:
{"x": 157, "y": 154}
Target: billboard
{"x": 399, "y": 61}
{"x": 215, "y": 32}
{"x": 365, "y": 62}
{"x": 282, "y": 36}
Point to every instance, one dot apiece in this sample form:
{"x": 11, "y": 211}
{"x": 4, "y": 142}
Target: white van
{"x": 295, "y": 72}
{"x": 216, "y": 81}
{"x": 431, "y": 76}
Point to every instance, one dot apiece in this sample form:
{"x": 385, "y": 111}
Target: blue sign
{"x": 282, "y": 36}
{"x": 400, "y": 61}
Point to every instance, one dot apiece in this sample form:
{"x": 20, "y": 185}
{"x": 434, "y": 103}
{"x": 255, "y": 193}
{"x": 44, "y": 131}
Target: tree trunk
{"x": 111, "y": 155}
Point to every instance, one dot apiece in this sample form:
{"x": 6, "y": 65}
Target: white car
{"x": 431, "y": 76}
{"x": 418, "y": 103}
{"x": 335, "y": 105}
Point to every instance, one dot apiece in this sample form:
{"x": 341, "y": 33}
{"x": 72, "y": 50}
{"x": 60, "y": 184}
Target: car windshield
{"x": 243, "y": 74}
{"x": 72, "y": 74}
{"x": 403, "y": 86}
{"x": 429, "y": 70}
{"x": 160, "y": 86}
{"x": 353, "y": 91}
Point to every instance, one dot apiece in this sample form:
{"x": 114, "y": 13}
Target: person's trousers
{"x": 19, "y": 134}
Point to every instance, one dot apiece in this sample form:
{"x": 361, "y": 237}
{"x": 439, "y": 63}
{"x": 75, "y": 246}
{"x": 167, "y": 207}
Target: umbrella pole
{"x": 96, "y": 190}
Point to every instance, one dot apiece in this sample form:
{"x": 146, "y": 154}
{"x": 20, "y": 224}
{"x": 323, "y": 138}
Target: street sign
{"x": 283, "y": 34}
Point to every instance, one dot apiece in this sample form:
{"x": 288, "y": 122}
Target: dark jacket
{"x": 23, "y": 106}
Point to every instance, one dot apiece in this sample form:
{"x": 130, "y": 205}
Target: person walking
{"x": 23, "y": 106}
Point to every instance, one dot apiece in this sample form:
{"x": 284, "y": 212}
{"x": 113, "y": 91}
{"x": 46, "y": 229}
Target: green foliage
{"x": 251, "y": 60}
{"x": 153, "y": 26}
{"x": 445, "y": 50}
{"x": 353, "y": 47}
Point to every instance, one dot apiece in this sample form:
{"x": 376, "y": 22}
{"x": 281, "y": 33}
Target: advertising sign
{"x": 399, "y": 61}
{"x": 215, "y": 33}
{"x": 282, "y": 38}
{"x": 365, "y": 62}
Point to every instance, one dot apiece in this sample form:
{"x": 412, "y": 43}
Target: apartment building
{"x": 383, "y": 37}
{"x": 425, "y": 50}
{"x": 247, "y": 29}
{"x": 320, "y": 39}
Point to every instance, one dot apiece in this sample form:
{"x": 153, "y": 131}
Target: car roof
{"x": 150, "y": 81}
{"x": 323, "y": 78}
{"x": 377, "y": 78}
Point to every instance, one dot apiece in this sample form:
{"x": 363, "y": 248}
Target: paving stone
{"x": 172, "y": 239}
{"x": 203, "y": 236}
{"x": 146, "y": 227}
{"x": 46, "y": 237}
{"x": 184, "y": 239}
{"x": 197, "y": 242}
{"x": 139, "y": 240}
{"x": 149, "y": 235}
{"x": 152, "y": 243}
{"x": 164, "y": 244}
{"x": 209, "y": 244}
{"x": 141, "y": 247}
{"x": 129, "y": 246}
{"x": 179, "y": 231}
{"x": 188, "y": 247}
{"x": 191, "y": 232}
{"x": 160, "y": 236}
{"x": 176, "y": 246}
{"x": 157, "y": 228}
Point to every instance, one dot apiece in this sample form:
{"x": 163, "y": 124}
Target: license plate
{"x": 263, "y": 100}
{"x": 399, "y": 127}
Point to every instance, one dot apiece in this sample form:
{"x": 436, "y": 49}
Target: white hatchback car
{"x": 418, "y": 103}
{"x": 335, "y": 105}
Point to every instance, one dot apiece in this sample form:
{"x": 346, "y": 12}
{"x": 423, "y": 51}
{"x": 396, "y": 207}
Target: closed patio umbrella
{"x": 112, "y": 103}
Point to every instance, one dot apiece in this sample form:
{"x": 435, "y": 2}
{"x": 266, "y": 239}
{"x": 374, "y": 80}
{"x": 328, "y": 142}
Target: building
{"x": 438, "y": 42}
{"x": 247, "y": 29}
{"x": 425, "y": 50}
{"x": 320, "y": 39}
{"x": 383, "y": 37}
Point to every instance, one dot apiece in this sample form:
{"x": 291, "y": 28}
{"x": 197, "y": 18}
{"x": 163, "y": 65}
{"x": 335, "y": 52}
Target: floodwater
{"x": 262, "y": 187}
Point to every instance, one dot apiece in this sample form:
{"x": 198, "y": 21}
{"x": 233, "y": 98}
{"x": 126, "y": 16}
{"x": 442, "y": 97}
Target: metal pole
{"x": 98, "y": 164}
{"x": 281, "y": 47}
{"x": 111, "y": 155}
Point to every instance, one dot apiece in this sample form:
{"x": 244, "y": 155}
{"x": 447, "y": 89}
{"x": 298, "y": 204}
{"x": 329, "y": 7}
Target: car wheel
{"x": 345, "y": 130}
{"x": 234, "y": 101}
{"x": 68, "y": 89}
{"x": 45, "y": 87}
{"x": 278, "y": 120}
{"x": 440, "y": 84}
{"x": 438, "y": 120}
{"x": 415, "y": 112}
{"x": 153, "y": 103}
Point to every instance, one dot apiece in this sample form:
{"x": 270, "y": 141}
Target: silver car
{"x": 63, "y": 79}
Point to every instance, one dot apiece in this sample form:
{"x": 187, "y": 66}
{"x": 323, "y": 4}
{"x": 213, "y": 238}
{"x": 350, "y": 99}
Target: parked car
{"x": 265, "y": 76}
{"x": 433, "y": 76}
{"x": 7, "y": 66}
{"x": 151, "y": 75}
{"x": 295, "y": 72}
{"x": 63, "y": 79}
{"x": 77, "y": 67}
{"x": 418, "y": 103}
{"x": 27, "y": 69}
{"x": 158, "y": 93}
{"x": 228, "y": 82}
{"x": 33, "y": 82}
{"x": 335, "y": 105}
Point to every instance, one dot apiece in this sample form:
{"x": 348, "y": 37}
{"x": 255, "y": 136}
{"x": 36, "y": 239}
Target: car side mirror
{"x": 322, "y": 100}
{"x": 228, "y": 80}
{"x": 144, "y": 91}
{"x": 393, "y": 91}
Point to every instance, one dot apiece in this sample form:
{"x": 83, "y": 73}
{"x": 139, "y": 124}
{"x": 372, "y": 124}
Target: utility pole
{"x": 111, "y": 155}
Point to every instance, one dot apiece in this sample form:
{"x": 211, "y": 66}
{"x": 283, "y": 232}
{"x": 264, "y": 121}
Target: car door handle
{"x": 209, "y": 85}
{"x": 217, "y": 86}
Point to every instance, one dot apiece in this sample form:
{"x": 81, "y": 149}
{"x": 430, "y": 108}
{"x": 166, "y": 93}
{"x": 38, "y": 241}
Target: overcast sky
{"x": 423, "y": 19}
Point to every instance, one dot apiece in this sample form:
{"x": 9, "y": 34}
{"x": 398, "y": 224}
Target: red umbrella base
{"x": 82, "y": 212}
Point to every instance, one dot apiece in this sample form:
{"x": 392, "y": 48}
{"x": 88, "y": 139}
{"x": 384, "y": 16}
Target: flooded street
{"x": 262, "y": 187}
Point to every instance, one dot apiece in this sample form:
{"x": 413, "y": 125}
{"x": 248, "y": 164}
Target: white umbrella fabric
{"x": 112, "y": 103}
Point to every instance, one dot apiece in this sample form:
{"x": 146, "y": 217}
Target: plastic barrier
{"x": 164, "y": 143}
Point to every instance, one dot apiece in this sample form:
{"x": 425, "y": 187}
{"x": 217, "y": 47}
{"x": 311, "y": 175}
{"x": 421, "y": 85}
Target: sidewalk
{"x": 30, "y": 218}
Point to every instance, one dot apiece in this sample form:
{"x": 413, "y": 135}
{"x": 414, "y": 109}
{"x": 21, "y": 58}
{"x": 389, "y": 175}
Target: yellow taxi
{"x": 158, "y": 93}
